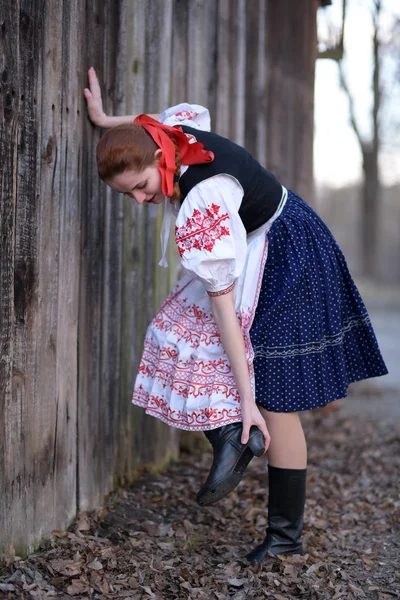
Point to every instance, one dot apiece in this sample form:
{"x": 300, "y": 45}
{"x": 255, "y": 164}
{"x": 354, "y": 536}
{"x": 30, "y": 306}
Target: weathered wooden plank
{"x": 238, "y": 83}
{"x": 210, "y": 57}
{"x": 65, "y": 455}
{"x": 196, "y": 40}
{"x": 10, "y": 426}
{"x": 90, "y": 482}
{"x": 224, "y": 68}
{"x": 27, "y": 473}
{"x": 180, "y": 75}
{"x": 112, "y": 255}
{"x": 44, "y": 425}
{"x": 256, "y": 94}
{"x": 290, "y": 59}
{"x": 156, "y": 281}
{"x": 132, "y": 326}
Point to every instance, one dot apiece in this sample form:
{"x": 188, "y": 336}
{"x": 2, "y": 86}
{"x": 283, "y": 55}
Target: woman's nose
{"x": 140, "y": 196}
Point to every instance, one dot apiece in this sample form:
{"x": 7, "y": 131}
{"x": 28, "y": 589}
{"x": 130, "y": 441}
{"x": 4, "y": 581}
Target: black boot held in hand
{"x": 287, "y": 495}
{"x": 231, "y": 458}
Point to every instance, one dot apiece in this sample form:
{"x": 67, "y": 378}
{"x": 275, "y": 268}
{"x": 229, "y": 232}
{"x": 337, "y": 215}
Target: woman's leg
{"x": 288, "y": 449}
{"x": 287, "y": 473}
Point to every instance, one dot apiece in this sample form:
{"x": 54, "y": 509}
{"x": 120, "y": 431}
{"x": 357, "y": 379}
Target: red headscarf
{"x": 191, "y": 153}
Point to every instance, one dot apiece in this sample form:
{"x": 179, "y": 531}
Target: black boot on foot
{"x": 287, "y": 494}
{"x": 231, "y": 458}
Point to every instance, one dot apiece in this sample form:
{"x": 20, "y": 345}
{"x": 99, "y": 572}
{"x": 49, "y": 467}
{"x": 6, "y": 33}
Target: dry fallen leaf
{"x": 83, "y": 522}
{"x": 77, "y": 587}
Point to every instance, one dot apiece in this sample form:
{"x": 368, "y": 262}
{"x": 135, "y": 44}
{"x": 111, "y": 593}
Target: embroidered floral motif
{"x": 188, "y": 322}
{"x": 201, "y": 231}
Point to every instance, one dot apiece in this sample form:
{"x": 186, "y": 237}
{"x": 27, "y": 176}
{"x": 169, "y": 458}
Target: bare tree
{"x": 371, "y": 185}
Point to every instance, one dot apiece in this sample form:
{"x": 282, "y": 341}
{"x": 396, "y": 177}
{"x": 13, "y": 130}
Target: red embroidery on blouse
{"x": 187, "y": 115}
{"x": 201, "y": 231}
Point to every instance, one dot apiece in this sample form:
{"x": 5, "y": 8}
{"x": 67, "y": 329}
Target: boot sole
{"x": 225, "y": 487}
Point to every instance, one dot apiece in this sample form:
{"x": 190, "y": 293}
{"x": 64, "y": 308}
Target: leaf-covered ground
{"x": 154, "y": 541}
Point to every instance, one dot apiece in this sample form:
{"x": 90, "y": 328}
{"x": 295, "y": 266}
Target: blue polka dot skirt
{"x": 311, "y": 333}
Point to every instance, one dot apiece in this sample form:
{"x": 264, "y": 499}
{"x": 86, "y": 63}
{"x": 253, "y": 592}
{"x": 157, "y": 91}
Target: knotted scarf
{"x": 191, "y": 153}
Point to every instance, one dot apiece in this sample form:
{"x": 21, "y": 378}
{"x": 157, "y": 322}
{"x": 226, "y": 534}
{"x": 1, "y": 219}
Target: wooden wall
{"x": 79, "y": 279}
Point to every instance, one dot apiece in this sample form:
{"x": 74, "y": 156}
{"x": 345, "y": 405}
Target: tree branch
{"x": 376, "y": 75}
{"x": 350, "y": 98}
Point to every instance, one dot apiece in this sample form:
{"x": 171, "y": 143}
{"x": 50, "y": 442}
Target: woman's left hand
{"x": 252, "y": 416}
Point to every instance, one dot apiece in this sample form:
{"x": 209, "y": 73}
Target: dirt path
{"x": 154, "y": 541}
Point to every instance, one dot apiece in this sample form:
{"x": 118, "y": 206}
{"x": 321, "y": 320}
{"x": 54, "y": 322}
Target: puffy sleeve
{"x": 192, "y": 115}
{"x": 210, "y": 235}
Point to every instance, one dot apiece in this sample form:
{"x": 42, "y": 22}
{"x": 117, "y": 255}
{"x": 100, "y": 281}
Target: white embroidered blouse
{"x": 209, "y": 214}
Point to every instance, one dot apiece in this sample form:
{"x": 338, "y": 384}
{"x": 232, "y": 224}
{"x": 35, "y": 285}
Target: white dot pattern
{"x": 311, "y": 333}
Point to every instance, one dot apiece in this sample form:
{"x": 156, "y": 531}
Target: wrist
{"x": 103, "y": 121}
{"x": 246, "y": 400}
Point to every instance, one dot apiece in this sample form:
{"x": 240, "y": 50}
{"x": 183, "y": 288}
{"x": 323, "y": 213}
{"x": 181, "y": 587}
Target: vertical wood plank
{"x": 156, "y": 281}
{"x": 31, "y": 474}
{"x": 256, "y": 94}
{"x": 10, "y": 424}
{"x": 111, "y": 308}
{"x": 210, "y": 58}
{"x": 224, "y": 65}
{"x": 132, "y": 325}
{"x": 69, "y": 261}
{"x": 290, "y": 56}
{"x": 196, "y": 40}
{"x": 238, "y": 84}
{"x": 180, "y": 76}
{"x": 90, "y": 477}
{"x": 46, "y": 401}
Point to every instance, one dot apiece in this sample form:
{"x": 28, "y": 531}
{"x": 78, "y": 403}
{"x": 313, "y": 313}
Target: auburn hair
{"x": 129, "y": 147}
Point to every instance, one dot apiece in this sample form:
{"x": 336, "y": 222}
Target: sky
{"x": 337, "y": 157}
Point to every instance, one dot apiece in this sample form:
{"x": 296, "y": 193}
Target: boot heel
{"x": 256, "y": 442}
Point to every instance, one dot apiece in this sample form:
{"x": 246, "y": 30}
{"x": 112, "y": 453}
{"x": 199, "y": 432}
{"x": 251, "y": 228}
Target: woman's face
{"x": 142, "y": 186}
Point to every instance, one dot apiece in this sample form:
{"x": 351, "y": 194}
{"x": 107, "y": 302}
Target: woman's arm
{"x": 95, "y": 105}
{"x": 224, "y": 313}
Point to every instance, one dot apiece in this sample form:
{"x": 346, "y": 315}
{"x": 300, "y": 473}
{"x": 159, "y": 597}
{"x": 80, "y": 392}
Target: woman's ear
{"x": 157, "y": 155}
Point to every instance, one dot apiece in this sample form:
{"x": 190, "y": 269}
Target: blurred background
{"x": 357, "y": 169}
{"x": 357, "y": 132}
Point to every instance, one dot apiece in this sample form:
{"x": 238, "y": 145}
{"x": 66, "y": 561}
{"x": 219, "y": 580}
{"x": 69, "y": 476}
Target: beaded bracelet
{"x": 222, "y": 292}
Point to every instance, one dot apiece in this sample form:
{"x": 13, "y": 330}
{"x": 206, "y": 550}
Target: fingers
{"x": 94, "y": 83}
{"x": 267, "y": 437}
{"x": 245, "y": 433}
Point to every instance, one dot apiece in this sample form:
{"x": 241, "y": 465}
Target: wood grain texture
{"x": 290, "y": 62}
{"x": 11, "y": 425}
{"x": 255, "y": 81}
{"x": 92, "y": 452}
{"x": 224, "y": 67}
{"x": 71, "y": 148}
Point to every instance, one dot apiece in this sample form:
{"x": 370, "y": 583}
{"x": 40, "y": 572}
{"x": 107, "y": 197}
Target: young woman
{"x": 266, "y": 321}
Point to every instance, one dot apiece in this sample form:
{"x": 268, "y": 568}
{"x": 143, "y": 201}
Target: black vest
{"x": 262, "y": 191}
